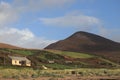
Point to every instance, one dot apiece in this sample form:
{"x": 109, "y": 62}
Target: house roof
{"x": 19, "y": 58}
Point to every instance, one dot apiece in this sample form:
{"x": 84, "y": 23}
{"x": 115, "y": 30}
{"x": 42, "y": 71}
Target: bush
{"x": 73, "y": 72}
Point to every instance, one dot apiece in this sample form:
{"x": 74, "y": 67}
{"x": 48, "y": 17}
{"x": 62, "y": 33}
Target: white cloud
{"x": 23, "y": 38}
{"x": 37, "y": 43}
{"x": 10, "y": 12}
{"x": 12, "y": 35}
{"x": 78, "y": 21}
{"x": 112, "y": 34}
{"x": 7, "y": 14}
{"x": 82, "y": 22}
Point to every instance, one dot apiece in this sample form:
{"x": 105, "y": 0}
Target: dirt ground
{"x": 73, "y": 77}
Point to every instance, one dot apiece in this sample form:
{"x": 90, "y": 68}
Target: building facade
{"x": 20, "y": 61}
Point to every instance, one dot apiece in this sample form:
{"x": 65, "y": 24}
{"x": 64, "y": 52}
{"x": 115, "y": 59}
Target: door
{"x": 23, "y": 63}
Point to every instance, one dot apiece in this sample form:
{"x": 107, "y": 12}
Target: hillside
{"x": 4, "y": 45}
{"x": 89, "y": 43}
{"x": 62, "y": 59}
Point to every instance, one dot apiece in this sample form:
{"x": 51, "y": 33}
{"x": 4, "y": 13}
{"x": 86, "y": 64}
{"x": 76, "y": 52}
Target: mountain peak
{"x": 79, "y": 34}
{"x": 85, "y": 42}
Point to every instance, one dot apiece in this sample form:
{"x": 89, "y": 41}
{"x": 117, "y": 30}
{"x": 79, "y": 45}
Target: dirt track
{"x": 74, "y": 77}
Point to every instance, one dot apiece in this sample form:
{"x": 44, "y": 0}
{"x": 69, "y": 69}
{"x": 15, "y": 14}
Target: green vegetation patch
{"x": 110, "y": 62}
{"x": 19, "y": 51}
{"x": 49, "y": 56}
{"x": 72, "y": 54}
{"x": 58, "y": 66}
{"x": 24, "y": 52}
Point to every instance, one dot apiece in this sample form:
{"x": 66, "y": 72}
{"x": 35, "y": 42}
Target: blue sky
{"x": 38, "y": 23}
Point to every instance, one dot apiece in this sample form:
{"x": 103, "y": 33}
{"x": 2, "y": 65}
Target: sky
{"x": 38, "y": 23}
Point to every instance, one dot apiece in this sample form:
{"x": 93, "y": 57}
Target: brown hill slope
{"x": 89, "y": 43}
{"x": 4, "y": 45}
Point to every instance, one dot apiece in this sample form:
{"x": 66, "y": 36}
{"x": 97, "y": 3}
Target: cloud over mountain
{"x": 78, "y": 21}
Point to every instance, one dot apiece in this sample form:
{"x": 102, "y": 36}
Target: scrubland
{"x": 66, "y": 74}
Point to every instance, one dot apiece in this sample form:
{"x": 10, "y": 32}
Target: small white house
{"x": 51, "y": 62}
{"x": 20, "y": 61}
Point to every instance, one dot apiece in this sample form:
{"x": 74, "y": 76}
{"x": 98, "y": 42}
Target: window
{"x": 20, "y": 62}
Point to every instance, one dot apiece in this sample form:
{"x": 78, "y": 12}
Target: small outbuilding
{"x": 51, "y": 62}
{"x": 20, "y": 61}
{"x": 68, "y": 62}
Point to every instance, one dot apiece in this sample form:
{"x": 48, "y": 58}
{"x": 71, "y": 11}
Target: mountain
{"x": 4, "y": 45}
{"x": 85, "y": 42}
{"x": 80, "y": 50}
{"x": 89, "y": 43}
{"x": 60, "y": 59}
